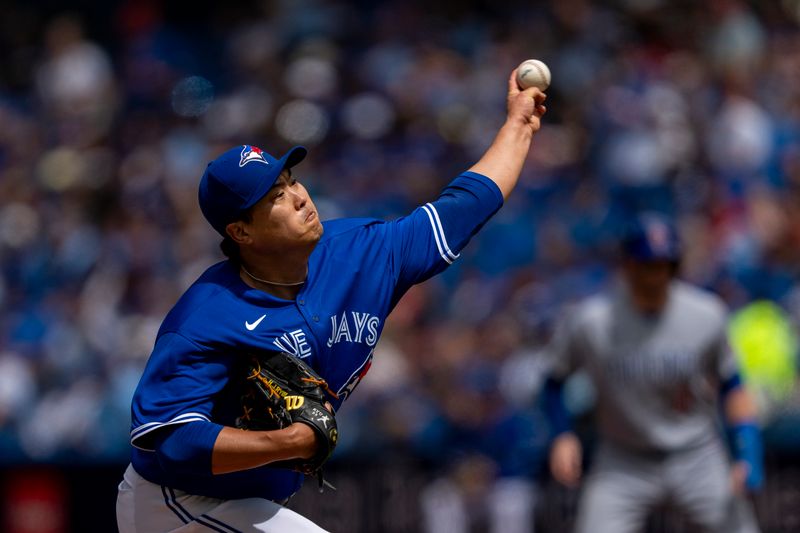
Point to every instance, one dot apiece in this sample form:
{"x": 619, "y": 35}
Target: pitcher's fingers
{"x": 513, "y": 87}
{"x": 538, "y": 96}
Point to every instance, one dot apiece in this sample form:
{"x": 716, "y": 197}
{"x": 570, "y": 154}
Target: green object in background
{"x": 765, "y": 343}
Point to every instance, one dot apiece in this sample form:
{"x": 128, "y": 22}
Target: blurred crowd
{"x": 108, "y": 117}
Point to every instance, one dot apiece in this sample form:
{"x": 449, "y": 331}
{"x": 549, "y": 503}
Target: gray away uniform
{"x": 657, "y": 384}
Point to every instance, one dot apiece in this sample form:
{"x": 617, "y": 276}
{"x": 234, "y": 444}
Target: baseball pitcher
{"x": 320, "y": 292}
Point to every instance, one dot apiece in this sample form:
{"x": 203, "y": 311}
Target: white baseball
{"x": 533, "y": 73}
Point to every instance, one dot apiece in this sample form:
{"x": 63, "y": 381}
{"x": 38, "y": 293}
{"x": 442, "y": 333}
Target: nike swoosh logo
{"x": 254, "y": 325}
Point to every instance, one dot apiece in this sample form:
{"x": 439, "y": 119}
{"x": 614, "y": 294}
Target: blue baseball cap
{"x": 652, "y": 237}
{"x": 236, "y": 180}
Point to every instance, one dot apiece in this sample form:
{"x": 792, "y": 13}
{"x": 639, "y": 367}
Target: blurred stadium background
{"x": 109, "y": 112}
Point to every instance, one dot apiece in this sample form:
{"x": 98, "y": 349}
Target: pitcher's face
{"x": 285, "y": 218}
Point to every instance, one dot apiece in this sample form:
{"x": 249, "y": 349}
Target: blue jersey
{"x": 356, "y": 275}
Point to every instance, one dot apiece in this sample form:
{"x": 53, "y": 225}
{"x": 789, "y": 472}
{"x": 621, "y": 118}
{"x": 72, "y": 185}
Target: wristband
{"x": 747, "y": 446}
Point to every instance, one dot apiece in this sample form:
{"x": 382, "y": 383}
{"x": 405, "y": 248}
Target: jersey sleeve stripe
{"x": 442, "y": 253}
{"x": 441, "y": 233}
{"x": 436, "y": 235}
{"x": 138, "y": 432}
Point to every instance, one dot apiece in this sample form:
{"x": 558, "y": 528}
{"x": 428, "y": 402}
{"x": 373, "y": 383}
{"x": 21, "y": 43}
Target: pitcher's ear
{"x": 238, "y": 233}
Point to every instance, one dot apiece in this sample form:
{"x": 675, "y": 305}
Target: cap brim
{"x": 294, "y": 156}
{"x": 289, "y": 159}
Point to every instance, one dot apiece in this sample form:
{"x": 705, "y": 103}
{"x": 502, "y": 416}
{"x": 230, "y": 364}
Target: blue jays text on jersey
{"x": 356, "y": 275}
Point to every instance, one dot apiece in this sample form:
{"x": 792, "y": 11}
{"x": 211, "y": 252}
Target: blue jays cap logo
{"x": 658, "y": 235}
{"x": 251, "y": 154}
